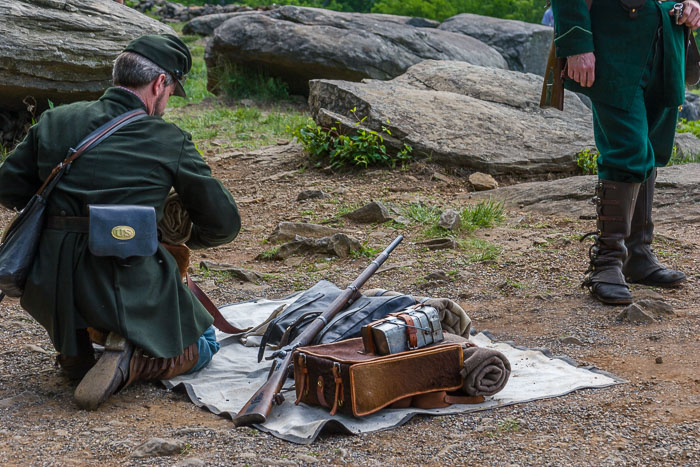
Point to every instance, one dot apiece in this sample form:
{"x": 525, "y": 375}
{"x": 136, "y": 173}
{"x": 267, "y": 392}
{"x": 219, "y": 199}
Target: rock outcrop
{"x": 462, "y": 115}
{"x": 677, "y": 196}
{"x": 62, "y": 50}
{"x": 299, "y": 44}
{"x": 525, "y": 46}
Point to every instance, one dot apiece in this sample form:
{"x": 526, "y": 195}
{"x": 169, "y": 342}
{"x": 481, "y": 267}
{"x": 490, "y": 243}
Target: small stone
{"x": 439, "y": 244}
{"x": 437, "y": 276}
{"x": 307, "y": 459}
{"x": 61, "y": 433}
{"x": 657, "y": 308}
{"x": 312, "y": 194}
{"x": 659, "y": 360}
{"x": 37, "y": 349}
{"x": 570, "y": 340}
{"x": 102, "y": 429}
{"x": 286, "y": 231}
{"x": 159, "y": 447}
{"x": 245, "y": 275}
{"x": 190, "y": 462}
{"x": 635, "y": 314}
{"x": 369, "y": 213}
{"x": 449, "y": 220}
{"x": 248, "y": 455}
{"x": 444, "y": 178}
{"x": 482, "y": 181}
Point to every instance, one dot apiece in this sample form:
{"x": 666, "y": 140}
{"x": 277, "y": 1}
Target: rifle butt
{"x": 260, "y": 405}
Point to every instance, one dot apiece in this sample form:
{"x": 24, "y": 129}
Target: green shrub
{"x": 586, "y": 160}
{"x": 355, "y": 148}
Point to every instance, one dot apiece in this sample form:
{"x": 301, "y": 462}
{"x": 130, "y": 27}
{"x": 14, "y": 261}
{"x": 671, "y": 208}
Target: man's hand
{"x": 581, "y": 68}
{"x": 691, "y": 14}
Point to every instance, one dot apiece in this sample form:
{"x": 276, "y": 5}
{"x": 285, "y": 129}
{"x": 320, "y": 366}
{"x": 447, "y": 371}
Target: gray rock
{"x": 501, "y": 128}
{"x": 525, "y": 46}
{"x": 245, "y": 275}
{"x": 482, "y": 182}
{"x": 676, "y": 199}
{"x": 438, "y": 276}
{"x": 339, "y": 245}
{"x": 190, "y": 462}
{"x": 306, "y": 459}
{"x": 205, "y": 25}
{"x": 687, "y": 145}
{"x": 656, "y": 308}
{"x": 369, "y": 213}
{"x": 63, "y": 50}
{"x": 439, "y": 244}
{"x": 312, "y": 194}
{"x": 570, "y": 340}
{"x": 449, "y": 220}
{"x": 691, "y": 107}
{"x": 298, "y": 44}
{"x": 159, "y": 447}
{"x": 635, "y": 314}
{"x": 286, "y": 231}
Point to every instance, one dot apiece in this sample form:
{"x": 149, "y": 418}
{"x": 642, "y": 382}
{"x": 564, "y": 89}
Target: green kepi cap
{"x": 168, "y": 52}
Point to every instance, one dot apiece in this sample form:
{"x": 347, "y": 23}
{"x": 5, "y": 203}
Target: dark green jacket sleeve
{"x": 19, "y": 178}
{"x": 572, "y": 27}
{"x": 210, "y": 205}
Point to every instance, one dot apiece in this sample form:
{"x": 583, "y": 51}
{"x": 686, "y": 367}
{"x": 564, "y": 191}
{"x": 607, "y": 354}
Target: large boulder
{"x": 676, "y": 199}
{"x": 62, "y": 50}
{"x": 463, "y": 115}
{"x": 525, "y": 46}
{"x": 299, "y": 44}
{"x": 205, "y": 25}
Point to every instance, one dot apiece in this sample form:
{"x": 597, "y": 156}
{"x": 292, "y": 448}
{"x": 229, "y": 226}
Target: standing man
{"x": 628, "y": 56}
{"x": 157, "y": 328}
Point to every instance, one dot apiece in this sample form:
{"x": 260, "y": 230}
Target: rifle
{"x": 259, "y": 406}
{"x": 553, "y": 84}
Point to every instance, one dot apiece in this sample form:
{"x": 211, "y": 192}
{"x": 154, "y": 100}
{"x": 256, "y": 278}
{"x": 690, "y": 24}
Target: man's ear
{"x": 158, "y": 85}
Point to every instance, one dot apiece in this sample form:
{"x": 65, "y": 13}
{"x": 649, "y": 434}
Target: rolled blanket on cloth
{"x": 485, "y": 372}
{"x": 175, "y": 227}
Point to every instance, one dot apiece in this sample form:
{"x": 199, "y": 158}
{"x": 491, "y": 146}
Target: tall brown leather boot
{"x": 121, "y": 365}
{"x": 614, "y": 204}
{"x": 641, "y": 265}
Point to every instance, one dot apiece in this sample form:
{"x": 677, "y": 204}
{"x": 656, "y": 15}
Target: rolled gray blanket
{"x": 485, "y": 371}
{"x": 175, "y": 226}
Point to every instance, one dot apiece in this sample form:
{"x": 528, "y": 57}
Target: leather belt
{"x": 71, "y": 224}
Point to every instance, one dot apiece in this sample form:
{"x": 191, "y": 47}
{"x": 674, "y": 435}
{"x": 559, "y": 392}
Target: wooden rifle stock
{"x": 553, "y": 85}
{"x": 259, "y": 406}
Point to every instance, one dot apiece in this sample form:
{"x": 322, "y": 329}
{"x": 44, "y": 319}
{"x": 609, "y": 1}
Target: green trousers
{"x": 631, "y": 142}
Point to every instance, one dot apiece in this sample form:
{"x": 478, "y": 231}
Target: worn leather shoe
{"x": 107, "y": 376}
{"x": 662, "y": 278}
{"x": 611, "y": 294}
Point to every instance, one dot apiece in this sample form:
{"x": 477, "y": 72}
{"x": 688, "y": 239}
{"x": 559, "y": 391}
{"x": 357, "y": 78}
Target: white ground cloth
{"x": 234, "y": 375}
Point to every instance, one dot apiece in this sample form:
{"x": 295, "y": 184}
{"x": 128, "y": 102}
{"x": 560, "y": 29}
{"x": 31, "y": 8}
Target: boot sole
{"x": 619, "y": 301}
{"x": 103, "y": 379}
{"x": 663, "y": 285}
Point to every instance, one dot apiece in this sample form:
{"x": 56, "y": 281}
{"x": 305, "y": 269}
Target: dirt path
{"x": 529, "y": 293}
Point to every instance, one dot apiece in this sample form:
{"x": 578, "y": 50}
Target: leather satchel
{"x": 343, "y": 378}
{"x": 122, "y": 230}
{"x": 20, "y": 241}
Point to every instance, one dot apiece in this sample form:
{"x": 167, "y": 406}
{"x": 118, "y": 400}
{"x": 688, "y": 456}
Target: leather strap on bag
{"x": 220, "y": 322}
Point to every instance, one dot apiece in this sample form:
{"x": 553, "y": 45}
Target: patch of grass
{"x": 240, "y": 83}
{"x": 4, "y": 152}
{"x": 422, "y": 214}
{"x": 478, "y": 250}
{"x": 365, "y": 252}
{"x": 242, "y": 127}
{"x": 486, "y": 213}
{"x": 270, "y": 254}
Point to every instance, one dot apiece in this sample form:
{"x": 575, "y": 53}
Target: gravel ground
{"x": 529, "y": 294}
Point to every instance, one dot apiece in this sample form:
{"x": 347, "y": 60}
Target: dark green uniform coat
{"x": 639, "y": 80}
{"x": 69, "y": 288}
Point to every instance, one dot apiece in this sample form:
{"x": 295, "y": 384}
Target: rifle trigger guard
{"x": 278, "y": 398}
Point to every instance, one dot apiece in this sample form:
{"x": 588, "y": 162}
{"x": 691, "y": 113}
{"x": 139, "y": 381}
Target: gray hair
{"x": 133, "y": 71}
